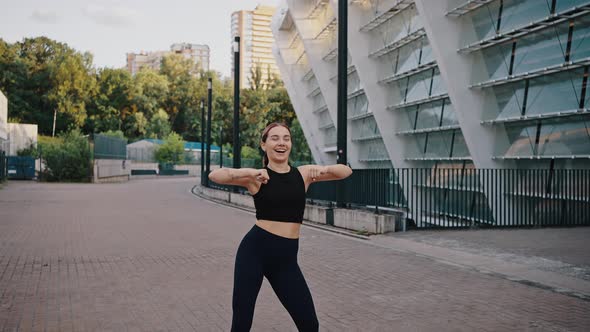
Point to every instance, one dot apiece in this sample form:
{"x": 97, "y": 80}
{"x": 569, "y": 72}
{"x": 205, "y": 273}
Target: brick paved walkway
{"x": 150, "y": 256}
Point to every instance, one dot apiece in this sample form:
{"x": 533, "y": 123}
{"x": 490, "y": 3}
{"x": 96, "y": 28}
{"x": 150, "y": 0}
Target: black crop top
{"x": 282, "y": 198}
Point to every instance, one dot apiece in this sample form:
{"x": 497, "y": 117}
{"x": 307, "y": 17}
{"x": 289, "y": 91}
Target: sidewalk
{"x": 148, "y": 255}
{"x": 556, "y": 259}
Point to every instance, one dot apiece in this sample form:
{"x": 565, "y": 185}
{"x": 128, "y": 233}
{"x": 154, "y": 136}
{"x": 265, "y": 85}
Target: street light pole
{"x": 220, "y": 147}
{"x": 341, "y": 124}
{"x": 236, "y": 140}
{"x": 202, "y": 141}
{"x": 209, "y": 102}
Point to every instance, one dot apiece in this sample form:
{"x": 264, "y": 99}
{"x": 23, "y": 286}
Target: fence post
{"x": 2, "y": 166}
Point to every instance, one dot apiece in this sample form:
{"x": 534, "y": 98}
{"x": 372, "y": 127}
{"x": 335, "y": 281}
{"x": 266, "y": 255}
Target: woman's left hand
{"x": 316, "y": 172}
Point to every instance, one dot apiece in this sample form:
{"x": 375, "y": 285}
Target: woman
{"x": 270, "y": 248}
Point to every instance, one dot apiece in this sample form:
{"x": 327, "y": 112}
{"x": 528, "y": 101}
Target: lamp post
{"x": 236, "y": 46}
{"x": 209, "y": 102}
{"x": 202, "y": 141}
{"x": 341, "y": 124}
{"x": 220, "y": 147}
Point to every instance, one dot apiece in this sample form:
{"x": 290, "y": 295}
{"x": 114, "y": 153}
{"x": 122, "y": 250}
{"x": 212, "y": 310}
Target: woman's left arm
{"x": 316, "y": 173}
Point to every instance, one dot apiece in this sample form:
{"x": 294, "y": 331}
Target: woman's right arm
{"x": 245, "y": 177}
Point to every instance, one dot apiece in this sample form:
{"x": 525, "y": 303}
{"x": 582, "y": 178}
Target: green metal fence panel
{"x": 169, "y": 172}
{"x": 106, "y": 147}
{"x": 21, "y": 167}
{"x": 144, "y": 172}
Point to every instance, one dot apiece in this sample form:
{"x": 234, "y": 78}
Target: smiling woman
{"x": 270, "y": 248}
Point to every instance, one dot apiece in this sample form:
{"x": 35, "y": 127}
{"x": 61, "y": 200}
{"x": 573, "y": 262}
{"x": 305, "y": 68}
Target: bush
{"x": 171, "y": 151}
{"x": 66, "y": 158}
{"x": 251, "y": 157}
{"x": 115, "y": 134}
{"x": 31, "y": 151}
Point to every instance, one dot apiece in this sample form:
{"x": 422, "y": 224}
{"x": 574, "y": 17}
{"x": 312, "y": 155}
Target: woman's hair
{"x": 265, "y": 136}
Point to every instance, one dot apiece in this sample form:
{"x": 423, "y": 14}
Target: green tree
{"x": 182, "y": 101}
{"x": 223, "y": 105}
{"x": 171, "y": 151}
{"x": 149, "y": 92}
{"x": 112, "y": 103}
{"x": 40, "y": 76}
{"x": 256, "y": 77}
{"x": 273, "y": 81}
{"x": 72, "y": 86}
{"x": 251, "y": 157}
{"x": 136, "y": 125}
{"x": 159, "y": 126}
{"x": 299, "y": 149}
{"x": 115, "y": 134}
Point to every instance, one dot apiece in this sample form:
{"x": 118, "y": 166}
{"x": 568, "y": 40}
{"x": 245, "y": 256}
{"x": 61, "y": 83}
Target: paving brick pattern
{"x": 150, "y": 256}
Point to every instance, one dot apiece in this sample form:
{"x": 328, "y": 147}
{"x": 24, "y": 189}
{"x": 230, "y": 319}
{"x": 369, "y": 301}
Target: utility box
{"x": 21, "y": 168}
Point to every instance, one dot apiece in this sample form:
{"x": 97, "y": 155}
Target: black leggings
{"x": 262, "y": 253}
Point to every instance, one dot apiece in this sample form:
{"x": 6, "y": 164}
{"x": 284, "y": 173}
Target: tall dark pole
{"x": 202, "y": 141}
{"x": 237, "y": 161}
{"x": 220, "y": 148}
{"x": 341, "y": 124}
{"x": 209, "y": 102}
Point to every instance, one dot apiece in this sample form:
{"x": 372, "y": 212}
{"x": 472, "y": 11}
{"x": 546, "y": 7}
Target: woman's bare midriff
{"x": 285, "y": 229}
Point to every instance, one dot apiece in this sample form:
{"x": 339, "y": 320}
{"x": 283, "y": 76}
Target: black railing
{"x": 365, "y": 187}
{"x": 467, "y": 197}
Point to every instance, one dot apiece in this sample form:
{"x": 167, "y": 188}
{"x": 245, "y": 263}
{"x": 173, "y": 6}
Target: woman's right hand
{"x": 261, "y": 175}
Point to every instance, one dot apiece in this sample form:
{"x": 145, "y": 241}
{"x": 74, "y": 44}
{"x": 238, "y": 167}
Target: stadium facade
{"x": 459, "y": 84}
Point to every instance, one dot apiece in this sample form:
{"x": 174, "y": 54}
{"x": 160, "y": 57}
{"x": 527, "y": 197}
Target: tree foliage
{"x": 41, "y": 76}
{"x": 171, "y": 151}
{"x": 159, "y": 127}
{"x": 66, "y": 158}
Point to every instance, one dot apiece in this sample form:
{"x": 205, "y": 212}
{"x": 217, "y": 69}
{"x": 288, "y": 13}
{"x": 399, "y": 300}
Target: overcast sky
{"x": 111, "y": 28}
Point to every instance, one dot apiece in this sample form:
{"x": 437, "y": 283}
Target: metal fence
{"x": 3, "y": 166}
{"x": 458, "y": 198}
{"x": 141, "y": 154}
{"x": 107, "y": 147}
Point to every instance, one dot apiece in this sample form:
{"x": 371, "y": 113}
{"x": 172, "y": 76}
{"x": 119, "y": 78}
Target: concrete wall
{"x": 140, "y": 165}
{"x": 365, "y": 221}
{"x": 242, "y": 200}
{"x": 356, "y": 220}
{"x": 217, "y": 194}
{"x": 111, "y": 170}
{"x": 21, "y": 136}
{"x": 318, "y": 214}
{"x": 193, "y": 170}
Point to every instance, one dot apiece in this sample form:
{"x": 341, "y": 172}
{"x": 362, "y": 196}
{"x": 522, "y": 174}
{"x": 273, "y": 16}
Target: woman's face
{"x": 278, "y": 144}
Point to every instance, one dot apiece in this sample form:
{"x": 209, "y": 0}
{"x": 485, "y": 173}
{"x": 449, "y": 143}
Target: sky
{"x": 111, "y": 28}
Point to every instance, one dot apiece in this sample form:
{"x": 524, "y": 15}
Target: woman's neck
{"x": 279, "y": 168}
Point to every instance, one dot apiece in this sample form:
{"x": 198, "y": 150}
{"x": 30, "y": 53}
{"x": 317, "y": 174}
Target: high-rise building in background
{"x": 256, "y": 39}
{"x": 439, "y": 84}
{"x": 198, "y": 53}
{"x": 152, "y": 60}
